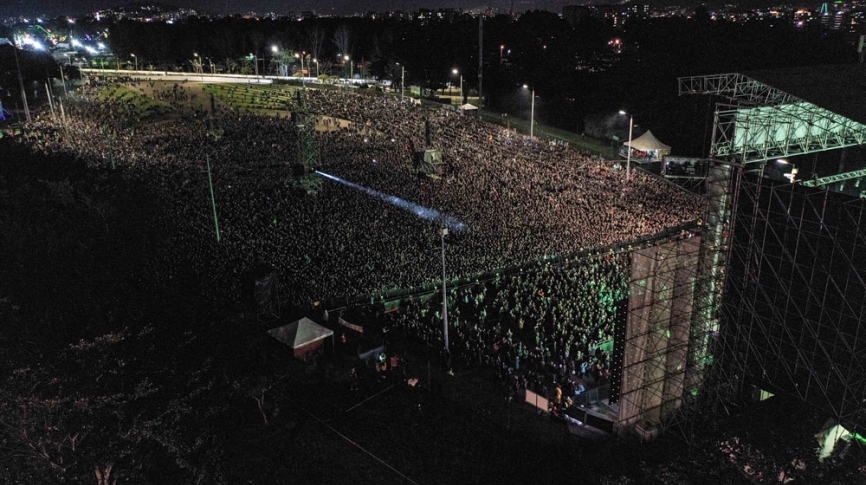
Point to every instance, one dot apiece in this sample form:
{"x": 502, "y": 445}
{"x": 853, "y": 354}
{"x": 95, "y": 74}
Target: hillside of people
{"x": 130, "y": 353}
{"x": 520, "y": 200}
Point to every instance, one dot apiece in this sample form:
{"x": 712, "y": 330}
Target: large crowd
{"x": 547, "y": 328}
{"x": 521, "y": 200}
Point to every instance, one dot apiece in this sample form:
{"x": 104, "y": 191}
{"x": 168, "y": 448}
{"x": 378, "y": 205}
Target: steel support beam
{"x": 766, "y": 123}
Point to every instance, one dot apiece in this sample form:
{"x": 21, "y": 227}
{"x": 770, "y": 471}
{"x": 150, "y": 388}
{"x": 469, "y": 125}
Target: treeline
{"x": 576, "y": 70}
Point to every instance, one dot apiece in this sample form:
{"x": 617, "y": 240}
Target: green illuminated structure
{"x": 764, "y": 123}
{"x": 673, "y": 320}
{"x": 307, "y": 151}
{"x": 779, "y": 300}
{"x": 818, "y": 182}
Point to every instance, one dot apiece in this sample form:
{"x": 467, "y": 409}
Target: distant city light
{"x": 30, "y": 41}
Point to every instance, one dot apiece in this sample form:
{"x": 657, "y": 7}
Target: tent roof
{"x": 647, "y": 141}
{"x": 468, "y": 106}
{"x": 300, "y": 333}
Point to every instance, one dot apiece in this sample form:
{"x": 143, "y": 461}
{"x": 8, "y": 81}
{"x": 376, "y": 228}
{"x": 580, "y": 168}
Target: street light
{"x": 136, "y": 61}
{"x": 316, "y": 62}
{"x": 200, "y": 66}
{"x": 792, "y": 176}
{"x": 351, "y": 67}
{"x": 256, "y": 60}
{"x": 298, "y": 56}
{"x": 628, "y": 153}
{"x": 531, "y": 114}
{"x": 457, "y": 72}
{"x": 444, "y": 232}
{"x": 275, "y": 50}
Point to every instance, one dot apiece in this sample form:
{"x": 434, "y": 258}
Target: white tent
{"x": 302, "y": 335}
{"x": 649, "y": 143}
{"x": 467, "y": 107}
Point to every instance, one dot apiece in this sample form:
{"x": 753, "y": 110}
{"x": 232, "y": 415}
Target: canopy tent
{"x": 304, "y": 336}
{"x": 650, "y": 144}
{"x": 467, "y": 107}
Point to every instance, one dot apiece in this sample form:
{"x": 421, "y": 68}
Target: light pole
{"x": 628, "y": 153}
{"x": 275, "y": 50}
{"x": 303, "y": 82}
{"x": 21, "y": 83}
{"x": 402, "y": 81}
{"x": 531, "y": 113}
{"x": 792, "y": 176}
{"x": 200, "y": 66}
{"x": 456, "y": 71}
{"x": 351, "y": 67}
{"x": 212, "y": 199}
{"x": 444, "y": 232}
{"x": 256, "y": 60}
{"x": 316, "y": 62}
{"x": 63, "y": 77}
{"x": 136, "y": 61}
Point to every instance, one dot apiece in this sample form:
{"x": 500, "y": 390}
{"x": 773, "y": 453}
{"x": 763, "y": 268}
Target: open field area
{"x": 134, "y": 103}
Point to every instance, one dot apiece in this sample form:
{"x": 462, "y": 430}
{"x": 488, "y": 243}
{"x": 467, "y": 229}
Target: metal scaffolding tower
{"x": 780, "y": 272}
{"x": 763, "y": 123}
{"x": 797, "y": 293}
{"x": 818, "y": 182}
{"x": 657, "y": 337}
{"x": 672, "y": 335}
{"x": 308, "y": 154}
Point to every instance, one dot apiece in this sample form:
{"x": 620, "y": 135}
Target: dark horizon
{"x": 9, "y": 8}
{"x": 53, "y": 8}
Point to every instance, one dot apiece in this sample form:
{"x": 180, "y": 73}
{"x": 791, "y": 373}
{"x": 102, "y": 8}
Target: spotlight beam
{"x": 423, "y": 212}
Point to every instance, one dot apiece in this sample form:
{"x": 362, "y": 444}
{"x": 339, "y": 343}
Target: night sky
{"x": 324, "y": 7}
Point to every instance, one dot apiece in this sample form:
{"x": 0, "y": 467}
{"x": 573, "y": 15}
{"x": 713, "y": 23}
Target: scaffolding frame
{"x": 658, "y": 333}
{"x": 763, "y": 123}
{"x": 831, "y": 179}
{"x": 796, "y": 296}
{"x": 785, "y": 290}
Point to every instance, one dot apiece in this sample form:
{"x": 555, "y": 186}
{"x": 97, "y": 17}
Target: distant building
{"x": 613, "y": 14}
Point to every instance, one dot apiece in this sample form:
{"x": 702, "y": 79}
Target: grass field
{"x": 132, "y": 102}
{"x": 258, "y": 97}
